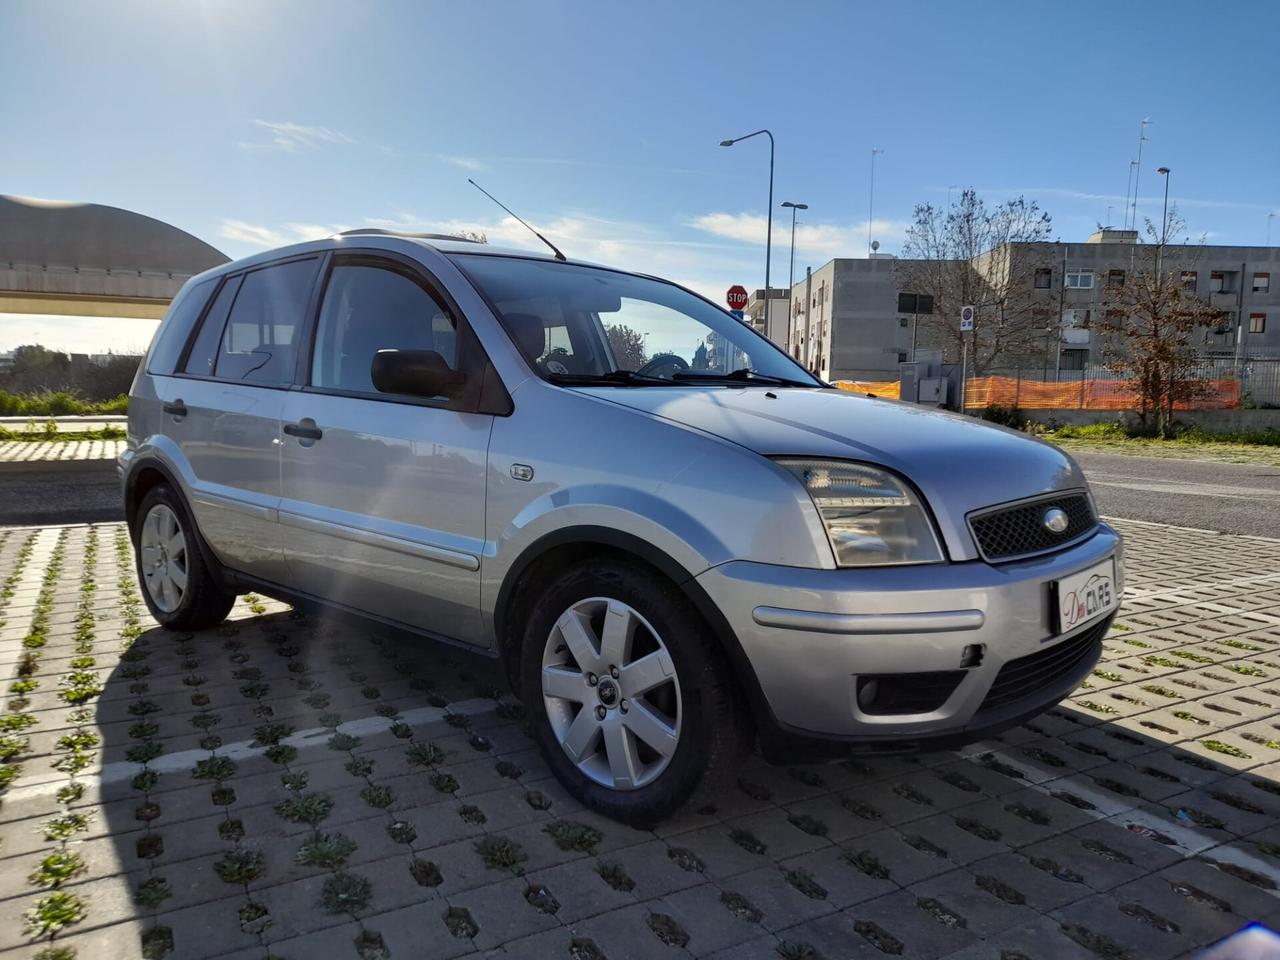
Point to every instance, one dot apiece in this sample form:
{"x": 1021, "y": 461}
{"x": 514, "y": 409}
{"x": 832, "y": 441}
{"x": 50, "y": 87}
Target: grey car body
{"x": 430, "y": 518}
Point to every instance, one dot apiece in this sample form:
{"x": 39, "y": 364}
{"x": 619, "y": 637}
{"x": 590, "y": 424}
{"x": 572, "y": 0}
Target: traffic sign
{"x": 966, "y": 318}
{"x": 737, "y": 314}
{"x": 736, "y": 297}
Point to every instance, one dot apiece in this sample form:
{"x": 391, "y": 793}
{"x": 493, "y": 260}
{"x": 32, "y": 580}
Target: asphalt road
{"x": 79, "y": 491}
{"x": 1238, "y": 498}
{"x": 1227, "y": 497}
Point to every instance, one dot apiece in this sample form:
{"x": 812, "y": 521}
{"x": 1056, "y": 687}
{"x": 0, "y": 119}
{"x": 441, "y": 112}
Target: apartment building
{"x": 849, "y": 319}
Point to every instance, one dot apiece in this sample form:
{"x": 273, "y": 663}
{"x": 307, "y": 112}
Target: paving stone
{"x": 502, "y": 912}
{"x": 984, "y": 913}
{"x": 1042, "y": 938}
{"x": 781, "y": 902}
{"x": 920, "y": 932}
{"x": 710, "y": 924}
{"x": 581, "y": 890}
{"x": 625, "y": 935}
{"x": 1101, "y": 915}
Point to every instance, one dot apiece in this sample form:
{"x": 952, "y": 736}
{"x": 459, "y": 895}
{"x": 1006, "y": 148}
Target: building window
{"x": 1217, "y": 282}
{"x": 902, "y": 321}
{"x": 1257, "y": 323}
{"x": 1044, "y": 278}
{"x": 1115, "y": 278}
{"x": 1189, "y": 279}
{"x": 1262, "y": 283}
{"x": 902, "y": 356}
{"x": 1080, "y": 280}
{"x": 915, "y": 303}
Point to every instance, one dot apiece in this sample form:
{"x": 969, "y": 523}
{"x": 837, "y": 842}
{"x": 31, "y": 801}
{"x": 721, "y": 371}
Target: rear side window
{"x": 260, "y": 341}
{"x": 205, "y": 348}
{"x": 371, "y": 308}
{"x": 173, "y": 335}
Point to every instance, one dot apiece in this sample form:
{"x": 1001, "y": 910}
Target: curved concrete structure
{"x": 86, "y": 259}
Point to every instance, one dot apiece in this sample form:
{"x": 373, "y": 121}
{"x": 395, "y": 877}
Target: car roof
{"x": 388, "y": 240}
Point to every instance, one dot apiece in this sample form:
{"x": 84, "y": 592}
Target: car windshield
{"x": 584, "y": 325}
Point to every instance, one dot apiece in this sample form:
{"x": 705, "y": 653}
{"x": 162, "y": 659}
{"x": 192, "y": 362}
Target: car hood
{"x": 958, "y": 463}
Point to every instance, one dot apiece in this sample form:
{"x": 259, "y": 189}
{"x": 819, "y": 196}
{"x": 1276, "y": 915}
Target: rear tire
{"x": 177, "y": 585}
{"x": 664, "y": 726}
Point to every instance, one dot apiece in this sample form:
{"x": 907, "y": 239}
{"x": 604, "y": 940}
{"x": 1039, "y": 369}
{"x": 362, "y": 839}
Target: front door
{"x": 383, "y": 496}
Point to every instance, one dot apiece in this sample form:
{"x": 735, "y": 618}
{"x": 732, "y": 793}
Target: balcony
{"x": 1222, "y": 301}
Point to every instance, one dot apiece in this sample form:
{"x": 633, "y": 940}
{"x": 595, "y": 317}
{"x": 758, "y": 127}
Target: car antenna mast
{"x": 554, "y": 248}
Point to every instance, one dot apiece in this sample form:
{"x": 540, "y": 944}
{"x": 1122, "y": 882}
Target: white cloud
{"x": 464, "y": 163}
{"x": 255, "y": 235}
{"x": 289, "y": 137}
{"x": 823, "y": 240}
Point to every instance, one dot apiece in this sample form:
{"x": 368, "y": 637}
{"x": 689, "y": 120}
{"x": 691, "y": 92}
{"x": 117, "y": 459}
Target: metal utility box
{"x": 908, "y": 378}
{"x": 933, "y": 390}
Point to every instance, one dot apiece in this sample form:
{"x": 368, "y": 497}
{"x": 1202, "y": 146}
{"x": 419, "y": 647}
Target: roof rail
{"x": 377, "y": 231}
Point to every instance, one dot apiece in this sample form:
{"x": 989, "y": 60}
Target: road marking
{"x": 1174, "y": 526}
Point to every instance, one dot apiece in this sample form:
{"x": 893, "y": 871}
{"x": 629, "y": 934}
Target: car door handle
{"x": 303, "y": 432}
{"x": 176, "y": 409}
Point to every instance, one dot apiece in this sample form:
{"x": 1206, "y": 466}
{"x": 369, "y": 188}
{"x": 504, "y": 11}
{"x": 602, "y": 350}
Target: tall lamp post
{"x": 1164, "y": 220}
{"x": 768, "y": 237}
{"x": 791, "y": 272}
{"x": 871, "y": 198}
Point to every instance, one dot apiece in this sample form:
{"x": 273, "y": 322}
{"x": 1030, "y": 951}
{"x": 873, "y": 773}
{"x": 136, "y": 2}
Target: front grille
{"x": 1005, "y": 533}
{"x": 901, "y": 693}
{"x": 1026, "y": 675}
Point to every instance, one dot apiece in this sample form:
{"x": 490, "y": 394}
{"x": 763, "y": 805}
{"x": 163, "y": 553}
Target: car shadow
{"x": 282, "y": 783}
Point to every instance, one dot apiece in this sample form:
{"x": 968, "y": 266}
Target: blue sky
{"x": 256, "y": 123}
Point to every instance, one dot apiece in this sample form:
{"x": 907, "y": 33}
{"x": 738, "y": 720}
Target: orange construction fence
{"x": 1222, "y": 393}
{"x": 877, "y": 388}
{"x": 1085, "y": 394}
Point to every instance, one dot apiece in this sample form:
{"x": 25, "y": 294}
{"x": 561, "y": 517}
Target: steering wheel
{"x": 663, "y": 363}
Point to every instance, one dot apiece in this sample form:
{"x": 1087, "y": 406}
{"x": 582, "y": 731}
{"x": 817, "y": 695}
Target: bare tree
{"x": 475, "y": 236}
{"x": 975, "y": 254}
{"x": 1148, "y": 323}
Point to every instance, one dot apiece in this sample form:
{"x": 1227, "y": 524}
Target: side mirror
{"x": 415, "y": 373}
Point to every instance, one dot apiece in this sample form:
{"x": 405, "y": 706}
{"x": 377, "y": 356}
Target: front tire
{"x": 177, "y": 585}
{"x": 629, "y": 695}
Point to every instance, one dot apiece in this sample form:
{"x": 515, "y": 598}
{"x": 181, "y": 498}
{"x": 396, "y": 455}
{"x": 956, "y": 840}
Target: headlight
{"x": 872, "y": 518}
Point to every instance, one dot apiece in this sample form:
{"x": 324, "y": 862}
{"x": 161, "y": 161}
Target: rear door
{"x": 223, "y": 410}
{"x": 383, "y": 495}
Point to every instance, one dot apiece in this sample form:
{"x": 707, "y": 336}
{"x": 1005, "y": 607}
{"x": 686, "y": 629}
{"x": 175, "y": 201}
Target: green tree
{"x": 627, "y": 345}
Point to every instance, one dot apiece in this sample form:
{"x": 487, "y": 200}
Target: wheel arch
{"x": 144, "y": 476}
{"x": 541, "y": 559}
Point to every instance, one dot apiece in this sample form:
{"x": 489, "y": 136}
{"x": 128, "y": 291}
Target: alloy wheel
{"x": 163, "y": 550}
{"x": 611, "y": 693}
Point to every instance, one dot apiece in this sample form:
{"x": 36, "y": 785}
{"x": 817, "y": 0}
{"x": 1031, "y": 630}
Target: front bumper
{"x": 809, "y": 635}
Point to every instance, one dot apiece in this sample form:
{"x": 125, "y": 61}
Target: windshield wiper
{"x": 625, "y": 378}
{"x": 741, "y": 375}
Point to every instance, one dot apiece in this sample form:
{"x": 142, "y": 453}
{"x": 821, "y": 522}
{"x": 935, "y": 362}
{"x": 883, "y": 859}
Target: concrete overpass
{"x": 89, "y": 260}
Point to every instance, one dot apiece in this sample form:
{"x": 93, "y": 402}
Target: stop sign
{"x": 737, "y": 297}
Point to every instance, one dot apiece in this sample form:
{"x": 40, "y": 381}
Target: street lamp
{"x": 768, "y": 237}
{"x": 791, "y": 273}
{"x": 871, "y": 199}
{"x": 1164, "y": 218}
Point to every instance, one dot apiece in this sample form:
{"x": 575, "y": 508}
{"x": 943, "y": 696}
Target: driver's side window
{"x": 368, "y": 308}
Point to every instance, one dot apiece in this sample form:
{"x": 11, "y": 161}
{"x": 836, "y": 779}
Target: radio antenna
{"x": 554, "y": 248}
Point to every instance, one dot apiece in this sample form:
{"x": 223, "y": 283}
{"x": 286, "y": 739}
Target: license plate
{"x": 1084, "y": 596}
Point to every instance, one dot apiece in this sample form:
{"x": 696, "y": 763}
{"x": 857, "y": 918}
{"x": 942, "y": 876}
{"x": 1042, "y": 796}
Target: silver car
{"x": 675, "y": 540}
